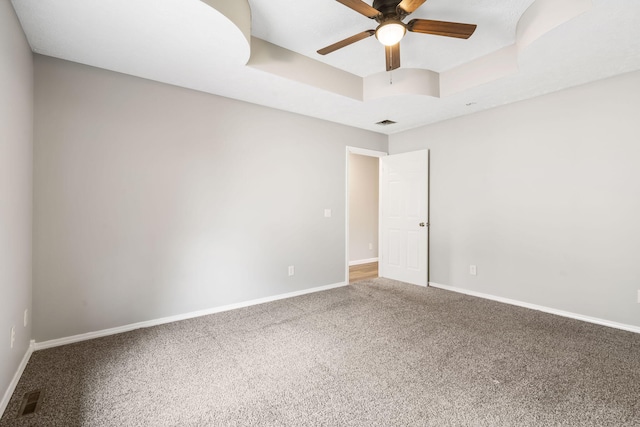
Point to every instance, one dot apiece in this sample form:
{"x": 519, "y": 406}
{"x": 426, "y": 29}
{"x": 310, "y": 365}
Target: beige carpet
{"x": 376, "y": 353}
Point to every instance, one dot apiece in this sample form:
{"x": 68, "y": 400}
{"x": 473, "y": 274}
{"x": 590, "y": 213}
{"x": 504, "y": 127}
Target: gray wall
{"x": 152, "y": 200}
{"x": 16, "y": 127}
{"x": 543, "y": 196}
{"x": 363, "y": 207}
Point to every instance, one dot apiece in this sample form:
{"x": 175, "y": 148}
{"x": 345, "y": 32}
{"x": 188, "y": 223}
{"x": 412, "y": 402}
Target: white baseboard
{"x": 16, "y": 377}
{"x": 595, "y": 320}
{"x": 362, "y": 261}
{"x": 176, "y": 318}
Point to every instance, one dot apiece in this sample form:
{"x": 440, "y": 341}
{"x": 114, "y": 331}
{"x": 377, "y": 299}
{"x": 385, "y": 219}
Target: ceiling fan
{"x": 389, "y": 15}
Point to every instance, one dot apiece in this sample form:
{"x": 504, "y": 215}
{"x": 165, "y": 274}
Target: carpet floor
{"x": 375, "y": 353}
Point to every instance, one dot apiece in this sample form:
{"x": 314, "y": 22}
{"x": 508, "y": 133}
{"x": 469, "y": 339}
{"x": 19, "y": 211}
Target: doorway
{"x": 402, "y": 219}
{"x": 362, "y": 224}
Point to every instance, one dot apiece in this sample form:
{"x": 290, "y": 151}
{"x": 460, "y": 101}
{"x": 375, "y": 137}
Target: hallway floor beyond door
{"x": 363, "y": 272}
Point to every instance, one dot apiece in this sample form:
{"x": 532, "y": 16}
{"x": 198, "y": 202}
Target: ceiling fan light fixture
{"x": 390, "y": 33}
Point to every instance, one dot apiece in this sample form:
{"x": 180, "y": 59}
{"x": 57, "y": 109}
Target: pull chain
{"x": 390, "y": 77}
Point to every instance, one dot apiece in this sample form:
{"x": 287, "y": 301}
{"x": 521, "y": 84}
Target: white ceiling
{"x": 190, "y": 44}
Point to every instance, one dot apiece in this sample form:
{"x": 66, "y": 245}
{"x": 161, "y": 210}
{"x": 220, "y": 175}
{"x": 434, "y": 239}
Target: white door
{"x": 404, "y": 231}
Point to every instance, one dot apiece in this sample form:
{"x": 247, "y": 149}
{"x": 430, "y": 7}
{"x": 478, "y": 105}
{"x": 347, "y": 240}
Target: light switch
{"x": 327, "y": 213}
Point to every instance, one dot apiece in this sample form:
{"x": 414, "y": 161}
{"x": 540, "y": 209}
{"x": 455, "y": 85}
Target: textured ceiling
{"x": 190, "y": 44}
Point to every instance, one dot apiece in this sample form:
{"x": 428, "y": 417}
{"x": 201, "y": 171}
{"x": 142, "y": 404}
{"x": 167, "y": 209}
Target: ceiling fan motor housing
{"x": 389, "y": 10}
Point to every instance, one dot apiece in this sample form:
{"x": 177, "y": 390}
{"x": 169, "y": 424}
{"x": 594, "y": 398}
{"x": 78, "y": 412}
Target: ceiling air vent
{"x": 386, "y": 122}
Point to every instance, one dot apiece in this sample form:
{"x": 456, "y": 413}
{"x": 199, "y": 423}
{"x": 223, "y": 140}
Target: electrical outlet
{"x": 370, "y": 245}
{"x": 13, "y": 335}
{"x": 473, "y": 270}
{"x": 26, "y": 317}
{"x": 291, "y": 270}
{"x": 638, "y": 296}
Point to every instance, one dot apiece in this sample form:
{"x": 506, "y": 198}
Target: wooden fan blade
{"x": 392, "y": 54}
{"x": 360, "y": 7}
{"x": 441, "y": 28}
{"x": 410, "y": 6}
{"x": 346, "y": 42}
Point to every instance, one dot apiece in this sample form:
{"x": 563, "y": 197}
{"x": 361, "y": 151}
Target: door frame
{"x": 361, "y": 152}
